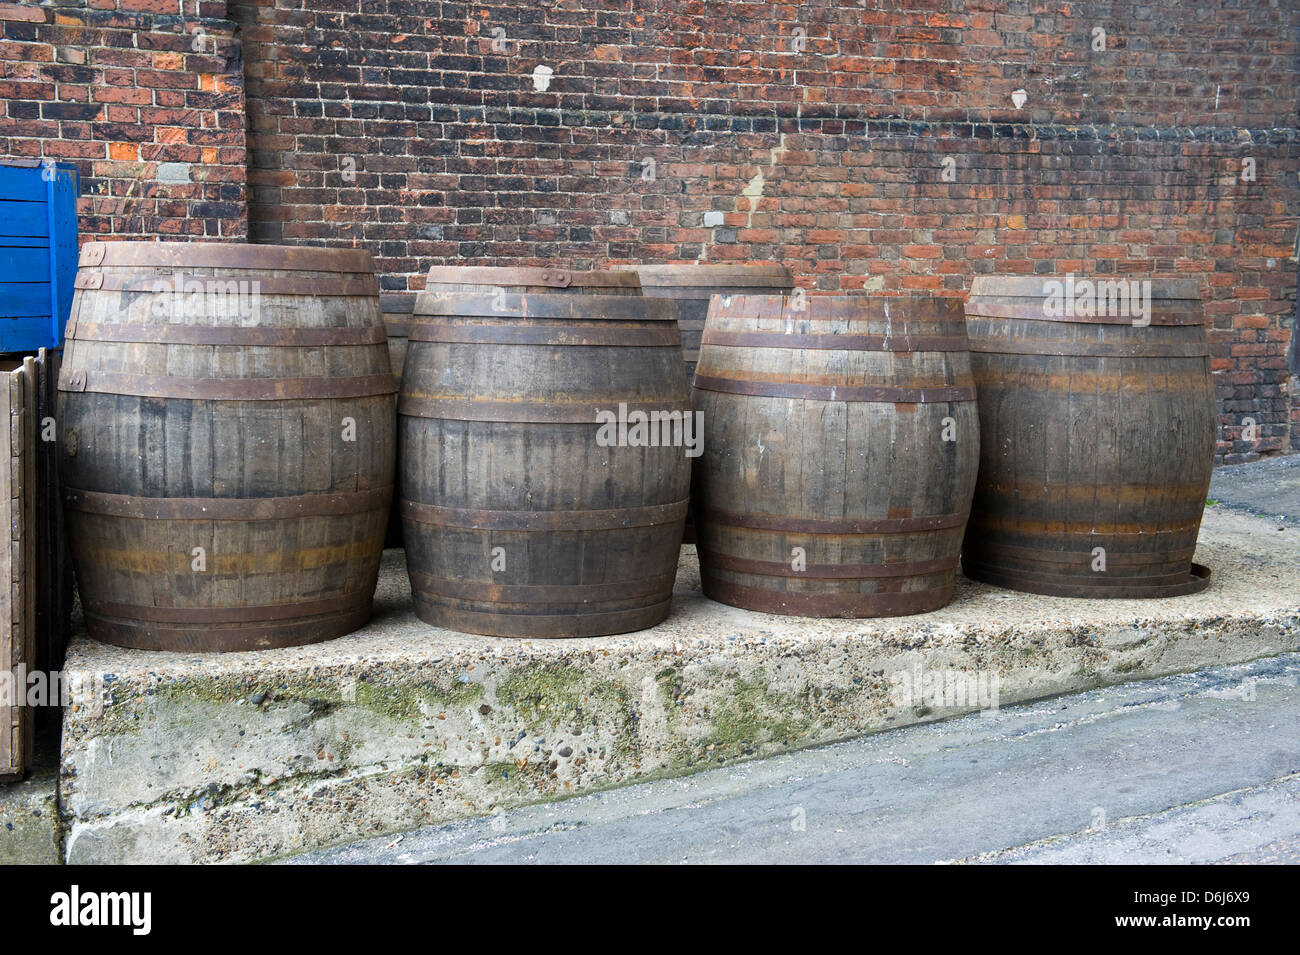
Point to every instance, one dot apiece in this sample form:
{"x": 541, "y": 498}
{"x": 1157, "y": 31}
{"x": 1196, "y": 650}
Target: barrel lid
{"x": 506, "y": 277}
{"x": 735, "y": 274}
{"x": 228, "y": 255}
{"x": 1036, "y": 286}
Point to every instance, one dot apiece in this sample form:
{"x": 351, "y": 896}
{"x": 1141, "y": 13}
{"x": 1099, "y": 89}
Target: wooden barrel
{"x": 841, "y": 442}
{"x": 689, "y": 286}
{"x": 519, "y": 519}
{"x": 1097, "y": 422}
{"x": 397, "y": 308}
{"x": 226, "y": 432}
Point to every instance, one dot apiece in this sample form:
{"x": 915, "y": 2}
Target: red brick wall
{"x": 403, "y": 129}
{"x": 145, "y": 96}
{"x": 400, "y": 126}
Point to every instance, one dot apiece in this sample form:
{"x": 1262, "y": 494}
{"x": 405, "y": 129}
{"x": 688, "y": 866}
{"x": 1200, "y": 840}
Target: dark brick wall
{"x": 404, "y": 128}
{"x": 145, "y": 96}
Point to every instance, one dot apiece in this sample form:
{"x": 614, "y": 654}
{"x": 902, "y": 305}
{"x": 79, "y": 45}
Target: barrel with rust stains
{"x": 690, "y": 286}
{"x": 519, "y": 518}
{"x": 841, "y": 443}
{"x": 226, "y": 429}
{"x": 396, "y": 308}
{"x": 1098, "y": 425}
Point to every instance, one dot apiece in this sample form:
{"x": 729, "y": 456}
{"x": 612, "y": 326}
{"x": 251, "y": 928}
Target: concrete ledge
{"x": 180, "y": 757}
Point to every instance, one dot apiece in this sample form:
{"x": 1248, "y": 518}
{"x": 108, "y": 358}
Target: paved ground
{"x": 1195, "y": 768}
{"x": 29, "y": 810}
{"x": 1270, "y": 486}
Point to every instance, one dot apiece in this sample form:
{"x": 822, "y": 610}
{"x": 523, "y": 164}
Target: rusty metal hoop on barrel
{"x": 1097, "y": 421}
{"x": 840, "y": 453}
{"x": 226, "y": 436}
{"x": 517, "y": 520}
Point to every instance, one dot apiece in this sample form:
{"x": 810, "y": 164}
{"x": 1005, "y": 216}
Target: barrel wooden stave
{"x": 1097, "y": 434}
{"x": 292, "y": 557}
{"x": 470, "y": 486}
{"x": 397, "y": 310}
{"x": 836, "y": 477}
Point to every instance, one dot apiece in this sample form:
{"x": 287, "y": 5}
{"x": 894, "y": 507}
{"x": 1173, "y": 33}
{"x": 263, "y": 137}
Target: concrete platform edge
{"x": 196, "y": 771}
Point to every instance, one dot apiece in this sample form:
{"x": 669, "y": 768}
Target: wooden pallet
{"x": 54, "y": 594}
{"x": 19, "y": 433}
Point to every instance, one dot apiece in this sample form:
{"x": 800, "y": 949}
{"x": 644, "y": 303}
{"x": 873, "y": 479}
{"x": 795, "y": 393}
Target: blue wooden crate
{"x": 38, "y": 252}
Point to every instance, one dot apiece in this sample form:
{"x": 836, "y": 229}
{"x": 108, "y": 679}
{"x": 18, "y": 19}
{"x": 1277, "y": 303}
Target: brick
{"x": 19, "y": 11}
{"x": 174, "y": 7}
{"x": 118, "y": 94}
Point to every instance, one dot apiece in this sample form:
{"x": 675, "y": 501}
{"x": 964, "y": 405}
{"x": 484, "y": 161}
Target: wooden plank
{"x": 15, "y": 722}
{"x": 54, "y": 568}
{"x": 24, "y": 299}
{"x": 21, "y": 182}
{"x": 30, "y": 493}
{"x": 24, "y": 219}
{"x": 31, "y": 264}
{"x": 10, "y": 753}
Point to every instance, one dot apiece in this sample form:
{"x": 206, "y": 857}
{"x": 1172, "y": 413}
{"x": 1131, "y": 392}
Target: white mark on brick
{"x": 173, "y": 172}
{"x": 754, "y": 190}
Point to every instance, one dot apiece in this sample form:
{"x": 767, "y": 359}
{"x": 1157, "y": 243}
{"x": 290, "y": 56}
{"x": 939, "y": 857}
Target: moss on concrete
{"x": 563, "y": 696}
{"x": 669, "y": 681}
{"x": 755, "y": 715}
{"x": 396, "y": 701}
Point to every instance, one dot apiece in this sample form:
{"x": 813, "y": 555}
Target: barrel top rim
{"x": 738, "y": 273}
{"x": 862, "y": 303}
{"x": 231, "y": 255}
{"x": 1031, "y": 286}
{"x": 553, "y": 277}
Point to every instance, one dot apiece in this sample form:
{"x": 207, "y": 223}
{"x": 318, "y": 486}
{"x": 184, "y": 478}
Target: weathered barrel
{"x": 1097, "y": 423}
{"x": 524, "y": 513}
{"x": 691, "y": 285}
{"x": 841, "y": 442}
{"x": 397, "y": 308}
{"x": 226, "y": 434}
